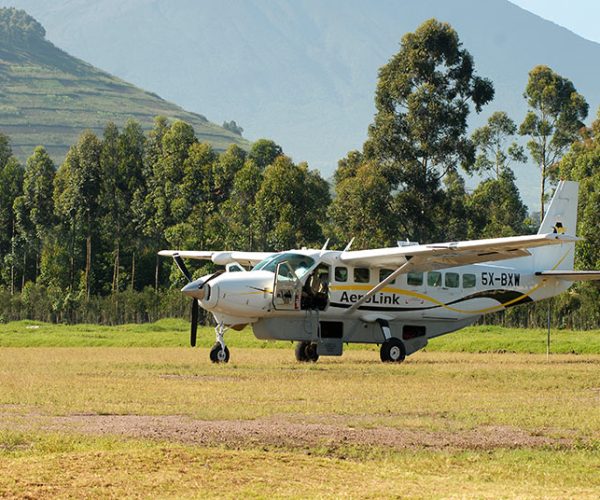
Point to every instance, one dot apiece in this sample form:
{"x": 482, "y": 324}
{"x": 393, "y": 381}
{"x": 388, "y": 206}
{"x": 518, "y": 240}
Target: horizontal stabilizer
{"x": 571, "y": 275}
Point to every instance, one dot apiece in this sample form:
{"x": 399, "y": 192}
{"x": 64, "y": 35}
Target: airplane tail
{"x": 561, "y": 217}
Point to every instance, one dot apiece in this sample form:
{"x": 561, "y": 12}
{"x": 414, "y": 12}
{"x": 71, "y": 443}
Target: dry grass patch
{"x": 164, "y": 422}
{"x": 74, "y": 467}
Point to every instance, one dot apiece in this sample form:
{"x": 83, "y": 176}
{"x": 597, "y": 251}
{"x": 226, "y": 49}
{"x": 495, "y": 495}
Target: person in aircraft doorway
{"x": 315, "y": 294}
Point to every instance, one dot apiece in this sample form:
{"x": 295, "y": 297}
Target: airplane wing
{"x": 572, "y": 275}
{"x": 218, "y": 257}
{"x": 443, "y": 255}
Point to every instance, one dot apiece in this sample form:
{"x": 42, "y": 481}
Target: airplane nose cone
{"x": 196, "y": 289}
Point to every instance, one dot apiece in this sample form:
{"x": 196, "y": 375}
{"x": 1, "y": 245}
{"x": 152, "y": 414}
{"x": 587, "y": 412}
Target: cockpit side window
{"x": 299, "y": 263}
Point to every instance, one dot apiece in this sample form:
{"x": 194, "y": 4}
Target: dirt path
{"x": 279, "y": 432}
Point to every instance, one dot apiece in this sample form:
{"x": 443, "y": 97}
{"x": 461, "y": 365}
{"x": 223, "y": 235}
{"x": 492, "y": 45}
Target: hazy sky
{"x": 579, "y": 16}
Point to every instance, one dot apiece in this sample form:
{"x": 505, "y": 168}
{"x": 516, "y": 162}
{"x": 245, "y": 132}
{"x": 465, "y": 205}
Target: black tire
{"x": 306, "y": 352}
{"x": 311, "y": 352}
{"x": 392, "y": 351}
{"x": 301, "y": 351}
{"x": 218, "y": 354}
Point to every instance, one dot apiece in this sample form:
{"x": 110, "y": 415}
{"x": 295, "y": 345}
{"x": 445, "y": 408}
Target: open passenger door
{"x": 287, "y": 288}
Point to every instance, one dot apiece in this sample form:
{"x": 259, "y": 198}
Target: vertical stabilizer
{"x": 561, "y": 217}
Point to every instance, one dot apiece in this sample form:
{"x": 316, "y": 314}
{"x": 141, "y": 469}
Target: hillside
{"x": 303, "y": 72}
{"x": 48, "y": 97}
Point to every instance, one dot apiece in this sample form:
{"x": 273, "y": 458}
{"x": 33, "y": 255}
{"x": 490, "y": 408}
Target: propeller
{"x": 182, "y": 267}
{"x": 194, "y": 328}
{"x": 195, "y": 307}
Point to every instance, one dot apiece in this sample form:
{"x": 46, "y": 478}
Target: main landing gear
{"x": 219, "y": 352}
{"x": 392, "y": 351}
{"x": 306, "y": 352}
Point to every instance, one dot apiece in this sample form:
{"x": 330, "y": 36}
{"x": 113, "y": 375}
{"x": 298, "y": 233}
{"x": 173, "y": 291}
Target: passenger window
{"x": 414, "y": 279}
{"x": 434, "y": 278}
{"x": 361, "y": 275}
{"x": 341, "y": 274}
{"x": 384, "y": 273}
{"x": 469, "y": 280}
{"x": 452, "y": 280}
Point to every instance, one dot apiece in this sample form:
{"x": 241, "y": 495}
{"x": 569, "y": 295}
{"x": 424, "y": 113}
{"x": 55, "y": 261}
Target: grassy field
{"x": 175, "y": 333}
{"x": 146, "y": 417}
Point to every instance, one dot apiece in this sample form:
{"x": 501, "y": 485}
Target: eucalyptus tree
{"x": 496, "y": 208}
{"x": 291, "y": 206}
{"x": 77, "y": 196}
{"x": 35, "y": 208}
{"x": 362, "y": 208}
{"x": 11, "y": 186}
{"x": 492, "y": 142}
{"x": 423, "y": 98}
{"x": 263, "y": 152}
{"x": 169, "y": 148}
{"x": 553, "y": 122}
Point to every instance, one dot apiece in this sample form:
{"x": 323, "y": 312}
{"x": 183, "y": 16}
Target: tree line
{"x": 79, "y": 242}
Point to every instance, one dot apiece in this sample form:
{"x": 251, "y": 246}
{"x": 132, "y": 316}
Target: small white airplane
{"x": 397, "y": 297}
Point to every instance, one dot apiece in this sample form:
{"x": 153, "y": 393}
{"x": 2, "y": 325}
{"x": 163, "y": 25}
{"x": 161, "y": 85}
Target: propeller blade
{"x": 213, "y": 276}
{"x": 194, "y": 328}
{"x": 182, "y": 267}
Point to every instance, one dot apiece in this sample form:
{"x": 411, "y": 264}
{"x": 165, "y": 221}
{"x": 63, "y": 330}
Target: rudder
{"x": 561, "y": 217}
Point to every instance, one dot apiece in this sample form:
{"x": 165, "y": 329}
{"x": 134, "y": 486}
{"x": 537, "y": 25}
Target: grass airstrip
{"x": 130, "y": 411}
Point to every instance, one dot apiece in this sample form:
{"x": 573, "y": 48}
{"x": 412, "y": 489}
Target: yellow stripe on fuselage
{"x": 437, "y": 302}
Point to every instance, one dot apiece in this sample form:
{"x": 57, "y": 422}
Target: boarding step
{"x": 330, "y": 347}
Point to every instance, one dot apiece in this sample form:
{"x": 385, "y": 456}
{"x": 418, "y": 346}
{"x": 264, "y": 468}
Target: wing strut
{"x": 401, "y": 270}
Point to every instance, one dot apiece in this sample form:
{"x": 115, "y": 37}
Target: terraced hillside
{"x": 48, "y": 97}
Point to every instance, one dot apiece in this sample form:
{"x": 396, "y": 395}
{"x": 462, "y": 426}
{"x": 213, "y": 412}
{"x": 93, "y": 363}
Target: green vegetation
{"x": 49, "y": 97}
{"x": 175, "y": 333}
{"x": 78, "y": 243}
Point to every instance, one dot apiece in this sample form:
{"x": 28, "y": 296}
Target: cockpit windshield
{"x": 300, "y": 264}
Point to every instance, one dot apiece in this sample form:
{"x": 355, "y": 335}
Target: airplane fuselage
{"x": 416, "y": 305}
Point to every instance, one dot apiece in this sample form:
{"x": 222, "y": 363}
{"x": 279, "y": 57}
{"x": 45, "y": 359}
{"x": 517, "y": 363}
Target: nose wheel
{"x": 219, "y": 352}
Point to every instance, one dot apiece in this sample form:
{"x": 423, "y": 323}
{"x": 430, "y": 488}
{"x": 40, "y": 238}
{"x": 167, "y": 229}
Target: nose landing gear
{"x": 219, "y": 352}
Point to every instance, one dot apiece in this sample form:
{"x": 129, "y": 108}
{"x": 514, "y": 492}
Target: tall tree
{"x": 239, "y": 213}
{"x": 496, "y": 208}
{"x": 11, "y": 186}
{"x": 112, "y": 201}
{"x": 363, "y": 208}
{"x": 491, "y": 141}
{"x": 290, "y": 206}
{"x": 35, "y": 209}
{"x": 77, "y": 196}
{"x": 423, "y": 98}
{"x": 556, "y": 112}
{"x": 263, "y": 152}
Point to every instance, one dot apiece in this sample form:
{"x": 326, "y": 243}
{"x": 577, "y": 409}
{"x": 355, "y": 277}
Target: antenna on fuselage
{"x": 324, "y": 247}
{"x": 349, "y": 245}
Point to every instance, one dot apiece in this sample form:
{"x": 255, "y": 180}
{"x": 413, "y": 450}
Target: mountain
{"x": 49, "y": 97}
{"x": 303, "y": 72}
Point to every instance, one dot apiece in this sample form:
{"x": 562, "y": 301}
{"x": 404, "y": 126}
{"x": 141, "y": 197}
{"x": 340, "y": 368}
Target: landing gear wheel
{"x": 301, "y": 351}
{"x": 218, "y": 354}
{"x": 306, "y": 351}
{"x": 392, "y": 351}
